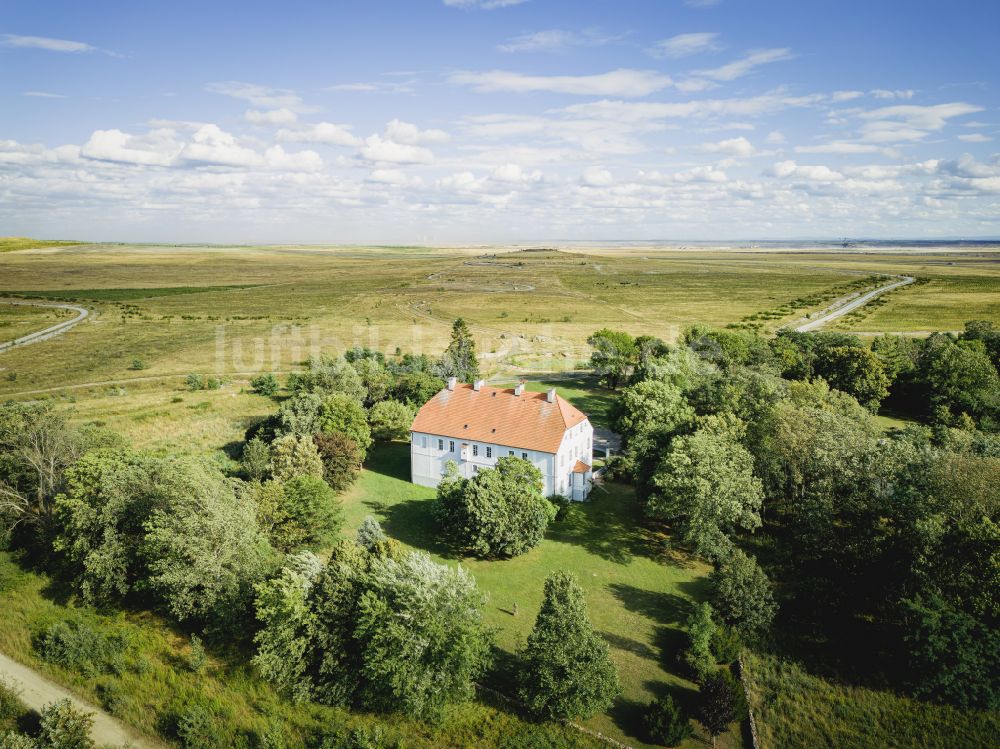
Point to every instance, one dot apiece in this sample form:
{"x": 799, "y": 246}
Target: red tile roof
{"x": 581, "y": 467}
{"x": 497, "y": 416}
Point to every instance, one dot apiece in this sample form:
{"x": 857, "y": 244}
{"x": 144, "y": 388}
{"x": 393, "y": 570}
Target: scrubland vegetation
{"x": 233, "y": 559}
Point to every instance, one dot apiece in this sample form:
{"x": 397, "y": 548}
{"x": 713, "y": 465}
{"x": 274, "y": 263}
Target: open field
{"x": 796, "y": 709}
{"x": 16, "y": 321}
{"x": 12, "y": 244}
{"x": 240, "y": 310}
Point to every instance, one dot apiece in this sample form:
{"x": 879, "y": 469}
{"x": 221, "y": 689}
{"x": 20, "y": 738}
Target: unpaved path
{"x": 853, "y": 304}
{"x": 37, "y": 691}
{"x": 82, "y": 314}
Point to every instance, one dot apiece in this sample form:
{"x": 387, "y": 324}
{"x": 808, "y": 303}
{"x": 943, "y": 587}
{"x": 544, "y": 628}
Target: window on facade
{"x": 510, "y": 453}
{"x": 475, "y": 450}
{"x": 451, "y": 446}
{"x": 524, "y": 456}
{"x": 475, "y": 469}
{"x": 440, "y": 444}
{"x": 489, "y": 452}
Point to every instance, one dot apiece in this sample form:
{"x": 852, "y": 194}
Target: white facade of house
{"x": 566, "y": 470}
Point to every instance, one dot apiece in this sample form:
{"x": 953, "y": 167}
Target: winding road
{"x": 82, "y": 314}
{"x": 851, "y": 305}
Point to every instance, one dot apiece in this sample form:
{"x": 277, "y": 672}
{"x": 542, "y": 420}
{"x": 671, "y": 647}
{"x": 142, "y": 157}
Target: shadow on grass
{"x": 665, "y": 608}
{"x": 608, "y": 525}
{"x": 412, "y": 522}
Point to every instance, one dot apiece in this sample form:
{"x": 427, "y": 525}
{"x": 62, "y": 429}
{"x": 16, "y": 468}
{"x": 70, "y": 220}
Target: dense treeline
{"x": 764, "y": 456}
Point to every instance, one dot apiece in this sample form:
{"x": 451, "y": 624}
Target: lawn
{"x": 638, "y": 593}
{"x": 796, "y": 709}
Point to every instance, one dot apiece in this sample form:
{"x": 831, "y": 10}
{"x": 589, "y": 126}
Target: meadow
{"x": 230, "y": 312}
{"x": 236, "y": 311}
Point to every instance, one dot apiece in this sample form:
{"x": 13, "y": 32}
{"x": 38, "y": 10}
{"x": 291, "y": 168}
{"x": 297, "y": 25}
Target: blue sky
{"x": 497, "y": 121}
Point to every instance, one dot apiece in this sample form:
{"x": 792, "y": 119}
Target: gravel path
{"x": 833, "y": 314}
{"x": 37, "y": 691}
{"x": 41, "y": 335}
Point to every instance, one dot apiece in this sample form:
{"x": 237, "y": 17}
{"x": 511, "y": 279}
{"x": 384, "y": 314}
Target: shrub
{"x": 390, "y": 420}
{"x": 370, "y": 534}
{"x": 195, "y": 382}
{"x": 700, "y": 630}
{"x": 265, "y": 384}
{"x": 341, "y": 459}
{"x": 313, "y": 514}
{"x": 196, "y": 728}
{"x": 566, "y": 670}
{"x": 197, "y": 657}
{"x": 137, "y": 364}
{"x": 743, "y": 595}
{"x": 64, "y": 727}
{"x": 78, "y": 647}
{"x": 666, "y": 723}
{"x": 726, "y": 645}
{"x": 256, "y": 459}
{"x": 293, "y": 456}
{"x": 341, "y": 413}
{"x": 500, "y": 512}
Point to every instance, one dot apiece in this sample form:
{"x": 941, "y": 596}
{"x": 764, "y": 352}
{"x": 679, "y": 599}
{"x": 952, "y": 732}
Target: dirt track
{"x": 50, "y": 332}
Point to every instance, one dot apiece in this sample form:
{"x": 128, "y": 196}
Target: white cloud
{"x": 43, "y": 95}
{"x": 514, "y": 173}
{"x": 302, "y": 161}
{"x": 840, "y": 96}
{"x": 684, "y": 45}
{"x": 376, "y": 87}
{"x": 46, "y": 43}
{"x": 259, "y": 96}
{"x": 377, "y": 149}
{"x": 396, "y": 177}
{"x": 975, "y": 138}
{"x": 557, "y": 40}
{"x": 159, "y": 148}
{"x": 810, "y": 173}
{"x": 321, "y": 132}
{"x": 409, "y": 134}
{"x": 701, "y": 174}
{"x": 882, "y": 93}
{"x": 775, "y": 136}
{"x": 839, "y": 147}
{"x": 595, "y": 176}
{"x": 482, "y": 4}
{"x": 623, "y": 82}
{"x": 733, "y": 147}
{"x": 910, "y": 122}
{"x": 283, "y": 116}
{"x": 745, "y": 65}
{"x": 212, "y": 145}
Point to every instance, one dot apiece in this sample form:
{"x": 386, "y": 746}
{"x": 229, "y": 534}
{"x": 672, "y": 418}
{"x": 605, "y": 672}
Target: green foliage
{"x": 341, "y": 459}
{"x": 390, "y": 420}
{"x": 953, "y": 657}
{"x": 299, "y": 415}
{"x": 416, "y": 388}
{"x": 195, "y": 381}
{"x": 370, "y": 534}
{"x": 499, "y": 512}
{"x": 566, "y": 671}
{"x": 649, "y": 412}
{"x": 137, "y": 365}
{"x": 326, "y": 375}
{"x": 701, "y": 629}
{"x": 197, "y": 657}
{"x": 459, "y": 359}
{"x": 375, "y": 377}
{"x": 341, "y": 413}
{"x": 196, "y": 727}
{"x": 666, "y": 723}
{"x": 705, "y": 486}
{"x": 256, "y": 459}
{"x": 204, "y": 552}
{"x": 11, "y": 740}
{"x": 614, "y": 357}
{"x": 63, "y": 726}
{"x": 421, "y": 634}
{"x": 76, "y": 646}
{"x": 855, "y": 371}
{"x": 742, "y": 595}
{"x": 312, "y": 514}
{"x": 294, "y": 455}
{"x": 265, "y": 384}
{"x": 726, "y": 645}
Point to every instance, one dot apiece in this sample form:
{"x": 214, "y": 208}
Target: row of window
{"x": 475, "y": 448}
